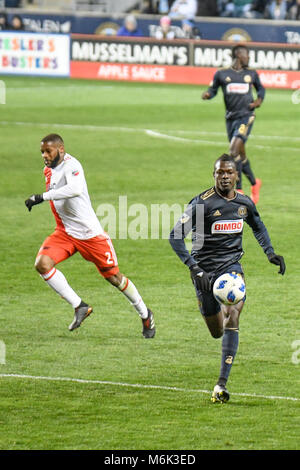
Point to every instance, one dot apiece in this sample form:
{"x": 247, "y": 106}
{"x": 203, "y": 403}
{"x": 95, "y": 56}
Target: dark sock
{"x": 239, "y": 168}
{"x": 248, "y": 172}
{"x": 82, "y": 304}
{"x": 230, "y": 343}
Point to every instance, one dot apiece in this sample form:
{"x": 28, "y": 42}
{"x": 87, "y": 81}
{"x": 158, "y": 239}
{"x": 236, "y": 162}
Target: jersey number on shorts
{"x": 109, "y": 255}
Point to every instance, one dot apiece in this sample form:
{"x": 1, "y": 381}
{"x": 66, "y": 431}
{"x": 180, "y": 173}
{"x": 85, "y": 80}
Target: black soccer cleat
{"x": 148, "y": 325}
{"x": 81, "y": 313}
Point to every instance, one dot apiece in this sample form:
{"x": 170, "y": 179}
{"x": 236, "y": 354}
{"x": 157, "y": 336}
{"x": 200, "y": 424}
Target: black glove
{"x": 278, "y": 260}
{"x": 33, "y": 200}
{"x": 201, "y": 278}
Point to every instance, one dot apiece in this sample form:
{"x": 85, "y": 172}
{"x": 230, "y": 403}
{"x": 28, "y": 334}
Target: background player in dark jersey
{"x": 216, "y": 218}
{"x": 237, "y": 82}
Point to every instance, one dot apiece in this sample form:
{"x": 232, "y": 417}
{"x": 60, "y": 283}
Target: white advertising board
{"x": 34, "y": 54}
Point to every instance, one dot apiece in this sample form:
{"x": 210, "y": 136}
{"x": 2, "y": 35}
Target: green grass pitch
{"x": 154, "y": 144}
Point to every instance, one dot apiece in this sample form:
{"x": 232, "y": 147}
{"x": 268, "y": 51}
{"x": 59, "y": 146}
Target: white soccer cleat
{"x": 220, "y": 394}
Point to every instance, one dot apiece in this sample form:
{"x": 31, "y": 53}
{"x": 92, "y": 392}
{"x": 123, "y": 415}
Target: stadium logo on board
{"x": 107, "y": 29}
{"x": 236, "y": 35}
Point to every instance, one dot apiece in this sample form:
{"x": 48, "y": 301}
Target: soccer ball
{"x": 229, "y": 289}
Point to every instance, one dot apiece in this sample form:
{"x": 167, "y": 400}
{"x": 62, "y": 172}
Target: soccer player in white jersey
{"x": 77, "y": 229}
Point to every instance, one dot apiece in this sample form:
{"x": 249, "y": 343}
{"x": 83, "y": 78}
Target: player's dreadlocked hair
{"x": 225, "y": 158}
{"x": 237, "y": 48}
{"x": 57, "y": 139}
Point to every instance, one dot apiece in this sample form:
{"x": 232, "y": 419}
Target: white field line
{"x": 156, "y": 134}
{"x": 62, "y": 88}
{"x": 153, "y": 133}
{"x": 141, "y": 386}
{"x": 223, "y": 134}
{"x": 88, "y": 127}
{"x": 178, "y": 139}
{"x": 211, "y": 142}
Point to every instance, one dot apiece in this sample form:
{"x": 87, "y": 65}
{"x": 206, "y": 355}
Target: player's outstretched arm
{"x": 260, "y": 90}
{"x": 33, "y": 200}
{"x": 278, "y": 260}
{"x": 212, "y": 89}
{"x": 261, "y": 234}
{"x": 180, "y": 231}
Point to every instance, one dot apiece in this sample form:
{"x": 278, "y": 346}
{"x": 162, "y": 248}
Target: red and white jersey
{"x": 69, "y": 199}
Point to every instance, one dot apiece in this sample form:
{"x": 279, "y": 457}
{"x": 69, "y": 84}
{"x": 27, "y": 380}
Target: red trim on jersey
{"x": 59, "y": 222}
{"x": 47, "y": 173}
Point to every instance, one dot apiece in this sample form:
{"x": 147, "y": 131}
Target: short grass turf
{"x": 154, "y": 144}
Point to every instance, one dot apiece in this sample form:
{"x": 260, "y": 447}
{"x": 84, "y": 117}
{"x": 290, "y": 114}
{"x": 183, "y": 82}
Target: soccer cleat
{"x": 148, "y": 325}
{"x": 220, "y": 394}
{"x": 240, "y": 191}
{"x": 255, "y": 191}
{"x": 81, "y": 313}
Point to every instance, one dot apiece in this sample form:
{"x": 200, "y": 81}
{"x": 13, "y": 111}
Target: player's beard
{"x": 225, "y": 190}
{"x": 55, "y": 161}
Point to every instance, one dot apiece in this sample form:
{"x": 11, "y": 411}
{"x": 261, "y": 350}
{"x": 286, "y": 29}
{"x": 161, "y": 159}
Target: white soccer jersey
{"x": 69, "y": 199}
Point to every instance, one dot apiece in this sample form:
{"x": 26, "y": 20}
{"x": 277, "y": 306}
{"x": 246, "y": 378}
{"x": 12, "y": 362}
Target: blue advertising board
{"x": 286, "y": 32}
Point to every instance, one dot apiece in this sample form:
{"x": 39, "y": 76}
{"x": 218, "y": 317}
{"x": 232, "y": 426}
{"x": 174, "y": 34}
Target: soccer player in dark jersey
{"x": 216, "y": 218}
{"x": 236, "y": 83}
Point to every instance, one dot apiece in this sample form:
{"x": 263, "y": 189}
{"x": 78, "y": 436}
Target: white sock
{"x": 58, "y": 282}
{"x": 130, "y": 291}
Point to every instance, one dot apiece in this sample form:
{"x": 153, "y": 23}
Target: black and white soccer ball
{"x": 229, "y": 288}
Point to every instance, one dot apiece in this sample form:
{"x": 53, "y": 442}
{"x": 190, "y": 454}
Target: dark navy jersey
{"x": 237, "y": 90}
{"x": 217, "y": 227}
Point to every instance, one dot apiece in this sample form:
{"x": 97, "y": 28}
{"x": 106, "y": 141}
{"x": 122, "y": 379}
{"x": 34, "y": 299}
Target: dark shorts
{"x": 208, "y": 305}
{"x": 239, "y": 128}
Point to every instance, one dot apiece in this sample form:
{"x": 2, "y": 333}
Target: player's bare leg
{"x": 231, "y": 314}
{"x": 43, "y": 264}
{"x": 215, "y": 324}
{"x": 57, "y": 281}
{"x": 127, "y": 287}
